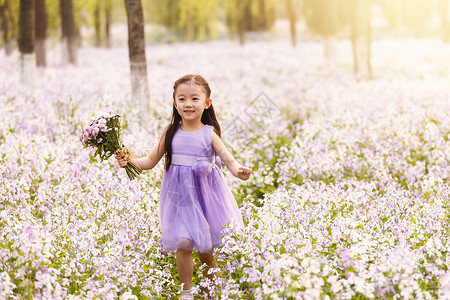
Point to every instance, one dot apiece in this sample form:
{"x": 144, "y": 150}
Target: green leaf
{"x": 334, "y": 215}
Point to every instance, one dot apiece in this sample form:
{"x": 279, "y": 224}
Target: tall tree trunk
{"x": 107, "y": 23}
{"x": 138, "y": 64}
{"x": 262, "y": 20}
{"x": 97, "y": 24}
{"x": 7, "y": 27}
{"x": 240, "y": 19}
{"x": 354, "y": 34}
{"x": 292, "y": 21}
{"x": 361, "y": 37}
{"x": 445, "y": 22}
{"x": 248, "y": 17}
{"x": 190, "y": 28}
{"x": 26, "y": 41}
{"x": 69, "y": 42}
{"x": 41, "y": 33}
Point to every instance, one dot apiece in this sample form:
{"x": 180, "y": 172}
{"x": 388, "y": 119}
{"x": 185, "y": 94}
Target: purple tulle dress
{"x": 195, "y": 200}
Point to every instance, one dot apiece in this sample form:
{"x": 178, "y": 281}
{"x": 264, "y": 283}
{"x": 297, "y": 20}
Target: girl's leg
{"x": 185, "y": 267}
{"x": 208, "y": 259}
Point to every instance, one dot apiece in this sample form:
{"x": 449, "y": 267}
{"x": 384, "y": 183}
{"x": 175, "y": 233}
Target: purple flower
{"x": 95, "y": 131}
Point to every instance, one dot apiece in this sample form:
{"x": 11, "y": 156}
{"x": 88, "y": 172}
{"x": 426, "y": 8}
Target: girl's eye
{"x": 195, "y": 98}
{"x": 180, "y": 99}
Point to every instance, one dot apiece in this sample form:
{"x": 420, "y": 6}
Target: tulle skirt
{"x": 194, "y": 209}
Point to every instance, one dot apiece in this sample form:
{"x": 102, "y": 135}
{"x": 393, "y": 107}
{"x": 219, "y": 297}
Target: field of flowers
{"x": 349, "y": 196}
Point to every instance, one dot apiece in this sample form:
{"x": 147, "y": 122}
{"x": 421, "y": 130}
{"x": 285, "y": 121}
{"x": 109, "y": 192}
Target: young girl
{"x": 195, "y": 200}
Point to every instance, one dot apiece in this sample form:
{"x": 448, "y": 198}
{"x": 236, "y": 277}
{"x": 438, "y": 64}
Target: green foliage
{"x": 83, "y": 13}
{"x": 255, "y": 14}
{"x": 53, "y": 18}
{"x": 12, "y": 17}
{"x": 181, "y": 16}
{"x": 197, "y": 19}
{"x": 203, "y": 14}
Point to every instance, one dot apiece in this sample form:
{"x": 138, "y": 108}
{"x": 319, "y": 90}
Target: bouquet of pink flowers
{"x": 104, "y": 134}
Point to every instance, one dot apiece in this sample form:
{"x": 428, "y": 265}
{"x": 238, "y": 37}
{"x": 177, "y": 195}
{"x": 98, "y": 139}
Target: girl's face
{"x": 190, "y": 101}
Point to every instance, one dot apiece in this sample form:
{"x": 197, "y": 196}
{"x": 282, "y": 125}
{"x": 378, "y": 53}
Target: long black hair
{"x": 208, "y": 116}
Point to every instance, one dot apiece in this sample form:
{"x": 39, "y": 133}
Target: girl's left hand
{"x": 244, "y": 173}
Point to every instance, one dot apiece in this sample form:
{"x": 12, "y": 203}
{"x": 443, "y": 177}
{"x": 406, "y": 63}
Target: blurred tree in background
{"x": 292, "y": 16}
{"x": 138, "y": 63}
{"x": 71, "y": 22}
{"x": 99, "y": 16}
{"x": 41, "y": 32}
{"x": 248, "y": 15}
{"x": 102, "y": 14}
{"x": 69, "y": 36}
{"x": 323, "y": 17}
{"x": 26, "y": 41}
{"x": 192, "y": 20}
{"x": 202, "y": 20}
{"x": 360, "y": 18}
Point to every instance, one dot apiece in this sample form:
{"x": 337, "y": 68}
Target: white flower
{"x": 128, "y": 296}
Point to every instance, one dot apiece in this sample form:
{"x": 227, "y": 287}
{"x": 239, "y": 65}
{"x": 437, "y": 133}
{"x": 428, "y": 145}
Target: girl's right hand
{"x": 122, "y": 160}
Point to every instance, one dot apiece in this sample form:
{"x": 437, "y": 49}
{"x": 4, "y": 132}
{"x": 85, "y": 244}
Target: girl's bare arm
{"x": 235, "y": 168}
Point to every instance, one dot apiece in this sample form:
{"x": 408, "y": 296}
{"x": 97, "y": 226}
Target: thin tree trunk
{"x": 41, "y": 33}
{"x": 241, "y": 7}
{"x": 241, "y": 31}
{"x": 361, "y": 37}
{"x": 262, "y": 14}
{"x": 26, "y": 41}
{"x": 69, "y": 42}
{"x": 138, "y": 64}
{"x": 190, "y": 28}
{"x": 292, "y": 21}
{"x": 248, "y": 17}
{"x": 97, "y": 24}
{"x": 108, "y": 23}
